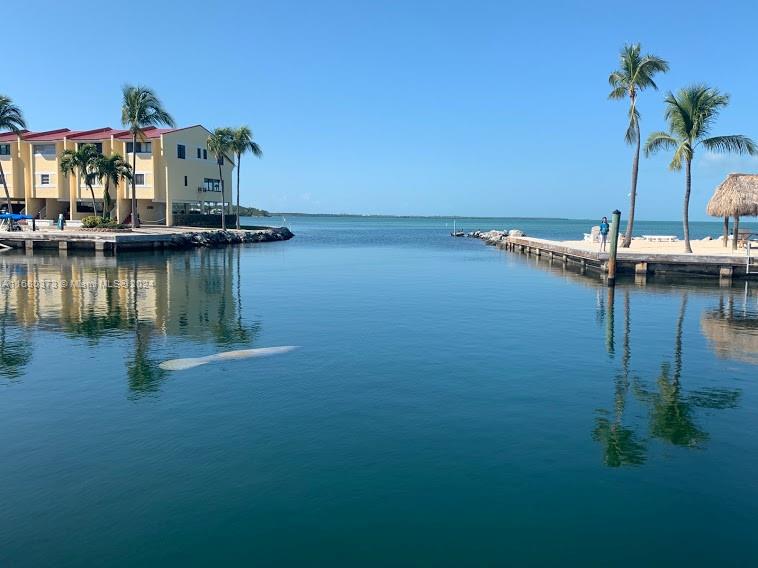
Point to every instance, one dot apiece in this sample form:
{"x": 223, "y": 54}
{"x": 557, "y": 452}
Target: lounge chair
{"x": 661, "y": 238}
{"x": 594, "y": 235}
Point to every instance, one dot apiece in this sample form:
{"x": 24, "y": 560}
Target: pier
{"x": 713, "y": 260}
{"x": 144, "y": 238}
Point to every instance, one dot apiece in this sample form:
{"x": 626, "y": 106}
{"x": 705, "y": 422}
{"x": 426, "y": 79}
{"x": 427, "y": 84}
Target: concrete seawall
{"x": 140, "y": 239}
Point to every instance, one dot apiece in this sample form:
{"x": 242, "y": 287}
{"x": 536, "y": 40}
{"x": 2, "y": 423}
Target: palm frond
{"x": 682, "y": 154}
{"x": 141, "y": 108}
{"x": 660, "y": 141}
{"x": 619, "y": 92}
{"x": 11, "y": 117}
{"x": 736, "y": 143}
{"x": 633, "y": 129}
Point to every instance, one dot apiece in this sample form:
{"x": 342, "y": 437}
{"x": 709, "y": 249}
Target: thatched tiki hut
{"x": 737, "y": 196}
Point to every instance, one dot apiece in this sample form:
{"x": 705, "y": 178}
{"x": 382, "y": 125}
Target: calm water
{"x": 450, "y": 404}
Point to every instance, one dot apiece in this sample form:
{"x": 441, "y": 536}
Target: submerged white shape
{"x": 190, "y": 362}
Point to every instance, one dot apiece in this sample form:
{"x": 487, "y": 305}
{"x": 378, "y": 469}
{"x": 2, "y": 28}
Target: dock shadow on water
{"x": 139, "y": 300}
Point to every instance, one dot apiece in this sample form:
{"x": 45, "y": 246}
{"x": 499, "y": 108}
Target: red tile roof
{"x": 150, "y": 132}
{"x": 10, "y": 136}
{"x": 48, "y": 135}
{"x": 96, "y": 134}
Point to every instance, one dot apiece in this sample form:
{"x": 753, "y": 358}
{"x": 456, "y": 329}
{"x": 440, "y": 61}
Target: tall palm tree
{"x": 140, "y": 108}
{"x": 82, "y": 161}
{"x": 10, "y": 119}
{"x": 220, "y": 144}
{"x": 634, "y": 74}
{"x": 111, "y": 170}
{"x": 690, "y": 115}
{"x": 242, "y": 142}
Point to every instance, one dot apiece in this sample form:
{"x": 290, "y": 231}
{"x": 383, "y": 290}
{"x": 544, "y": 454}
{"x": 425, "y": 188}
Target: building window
{"x": 2, "y": 178}
{"x": 205, "y": 154}
{"x": 220, "y": 160}
{"x": 5, "y": 150}
{"x": 98, "y": 146}
{"x": 139, "y": 179}
{"x": 185, "y": 181}
{"x": 142, "y": 148}
{"x": 199, "y": 153}
{"x": 181, "y": 151}
{"x": 210, "y": 184}
{"x": 44, "y": 149}
{"x": 44, "y": 179}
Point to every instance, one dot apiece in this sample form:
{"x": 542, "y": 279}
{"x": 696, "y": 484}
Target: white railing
{"x": 748, "y": 247}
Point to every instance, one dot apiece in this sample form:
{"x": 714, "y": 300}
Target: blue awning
{"x": 14, "y": 216}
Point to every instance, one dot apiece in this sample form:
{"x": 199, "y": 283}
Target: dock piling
{"x": 614, "y": 236}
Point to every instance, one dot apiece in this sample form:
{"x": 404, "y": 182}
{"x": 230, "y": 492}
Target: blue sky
{"x": 438, "y": 108}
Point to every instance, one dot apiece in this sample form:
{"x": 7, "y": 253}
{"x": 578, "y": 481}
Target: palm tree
{"x": 82, "y": 161}
{"x": 635, "y": 74}
{"x": 10, "y": 119}
{"x": 140, "y": 108}
{"x": 112, "y": 170}
{"x": 242, "y": 142}
{"x": 690, "y": 115}
{"x": 220, "y": 143}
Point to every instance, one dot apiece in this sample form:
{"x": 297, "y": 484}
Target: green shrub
{"x": 92, "y": 221}
{"x": 97, "y": 222}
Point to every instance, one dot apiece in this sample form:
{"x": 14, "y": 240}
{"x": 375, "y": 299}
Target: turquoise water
{"x": 450, "y": 404}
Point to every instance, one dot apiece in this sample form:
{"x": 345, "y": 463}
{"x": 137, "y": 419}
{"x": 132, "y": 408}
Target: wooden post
{"x": 735, "y": 237}
{"x": 615, "y": 220}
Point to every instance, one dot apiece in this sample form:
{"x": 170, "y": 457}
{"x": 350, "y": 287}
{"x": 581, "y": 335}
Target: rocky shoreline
{"x": 215, "y": 238}
{"x": 494, "y": 236}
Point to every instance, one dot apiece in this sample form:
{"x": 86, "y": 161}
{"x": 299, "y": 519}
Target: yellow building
{"x": 175, "y": 173}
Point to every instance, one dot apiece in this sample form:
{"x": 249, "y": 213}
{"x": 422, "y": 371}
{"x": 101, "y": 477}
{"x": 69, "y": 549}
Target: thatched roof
{"x": 736, "y": 196}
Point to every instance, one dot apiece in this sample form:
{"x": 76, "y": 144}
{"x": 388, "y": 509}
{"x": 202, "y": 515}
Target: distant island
{"x": 370, "y": 215}
{"x": 253, "y": 212}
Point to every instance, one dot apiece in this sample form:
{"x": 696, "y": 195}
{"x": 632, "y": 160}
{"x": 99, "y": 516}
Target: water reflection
{"x": 195, "y": 296}
{"x": 732, "y": 327}
{"x": 671, "y": 408}
{"x": 621, "y": 444}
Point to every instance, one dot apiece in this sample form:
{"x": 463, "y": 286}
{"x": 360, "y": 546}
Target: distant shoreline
{"x": 380, "y": 215}
{"x": 749, "y": 221}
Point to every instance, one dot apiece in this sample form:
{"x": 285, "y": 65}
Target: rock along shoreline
{"x": 493, "y": 237}
{"x": 218, "y": 237}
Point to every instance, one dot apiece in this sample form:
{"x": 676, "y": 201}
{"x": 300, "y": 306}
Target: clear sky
{"x": 400, "y": 107}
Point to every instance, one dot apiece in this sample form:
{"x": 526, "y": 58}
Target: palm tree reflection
{"x": 672, "y": 411}
{"x": 620, "y": 443}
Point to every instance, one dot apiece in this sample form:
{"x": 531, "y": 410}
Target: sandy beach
{"x": 699, "y": 247}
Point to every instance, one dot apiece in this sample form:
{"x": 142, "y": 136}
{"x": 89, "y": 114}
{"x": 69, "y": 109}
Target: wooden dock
{"x": 725, "y": 265}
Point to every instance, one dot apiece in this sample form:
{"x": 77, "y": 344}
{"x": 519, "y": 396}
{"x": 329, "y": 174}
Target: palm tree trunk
{"x": 239, "y": 157}
{"x": 135, "y": 223}
{"x": 94, "y": 203}
{"x": 107, "y": 199}
{"x": 736, "y": 232}
{"x": 686, "y": 212}
{"x": 726, "y": 230}
{"x": 5, "y": 187}
{"x": 678, "y": 341}
{"x": 221, "y": 181}
{"x": 633, "y": 197}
